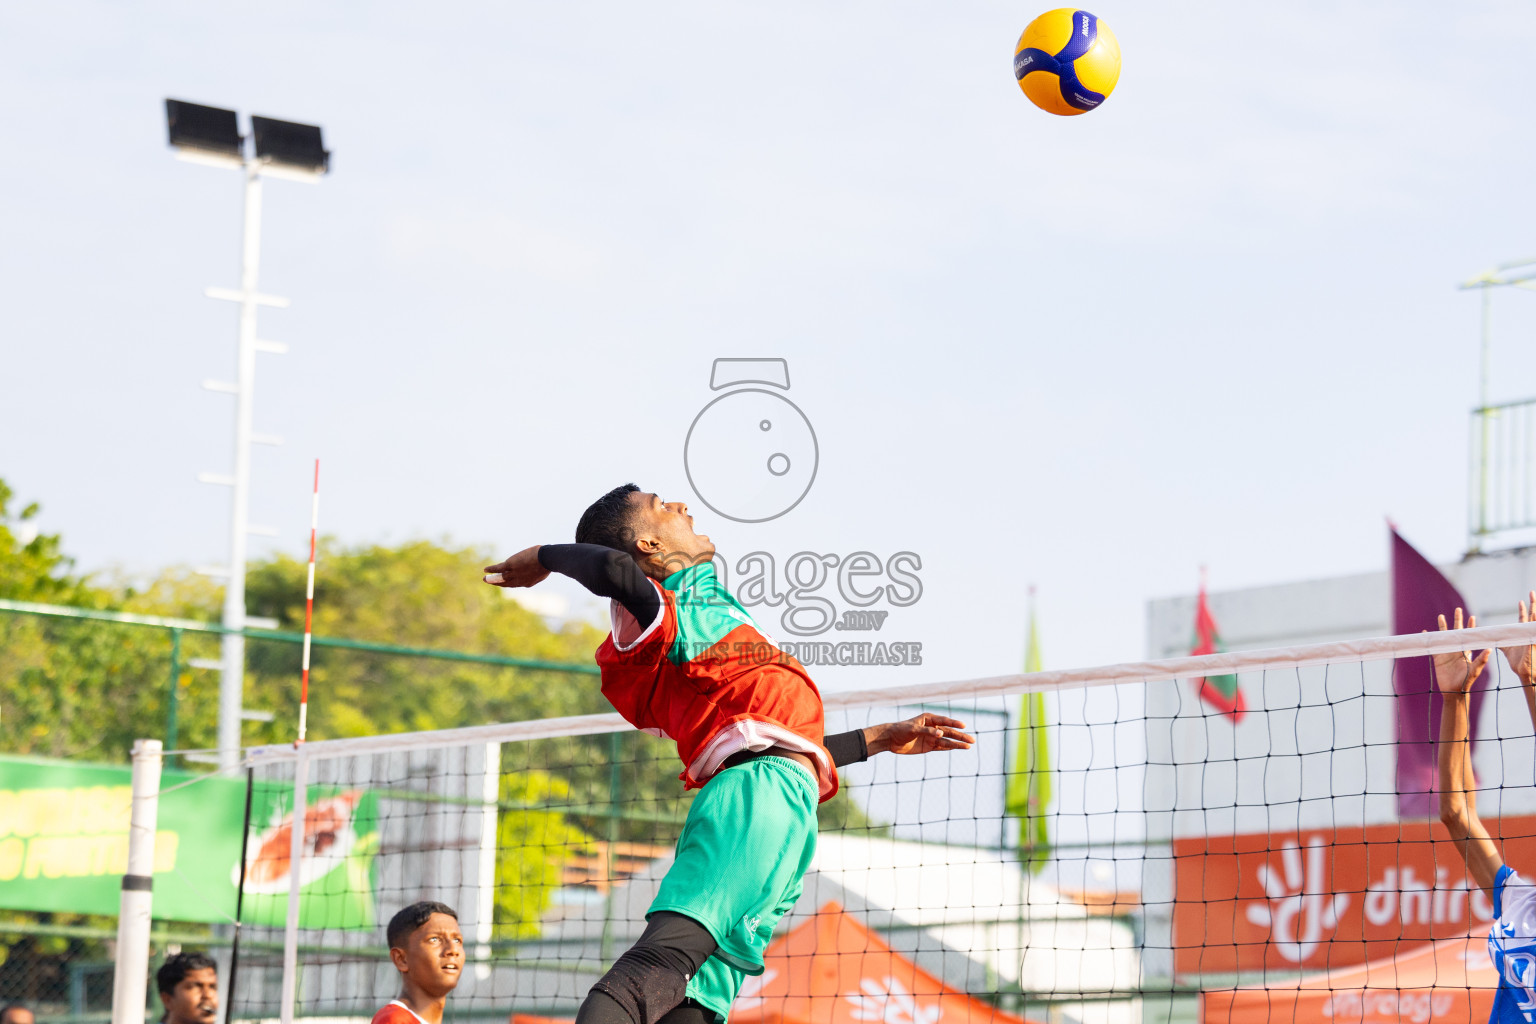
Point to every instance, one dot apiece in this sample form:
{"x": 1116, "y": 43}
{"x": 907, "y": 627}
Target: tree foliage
{"x": 533, "y": 839}
{"x": 86, "y": 690}
{"x": 418, "y": 594}
{"x": 33, "y": 566}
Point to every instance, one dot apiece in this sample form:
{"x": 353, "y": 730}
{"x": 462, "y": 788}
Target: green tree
{"x": 533, "y": 841}
{"x": 417, "y": 594}
{"x": 71, "y": 688}
{"x": 88, "y": 689}
{"x": 33, "y": 566}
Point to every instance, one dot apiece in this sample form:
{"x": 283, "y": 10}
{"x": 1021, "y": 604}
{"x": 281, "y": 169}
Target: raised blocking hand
{"x": 1456, "y": 671}
{"x": 1522, "y": 657}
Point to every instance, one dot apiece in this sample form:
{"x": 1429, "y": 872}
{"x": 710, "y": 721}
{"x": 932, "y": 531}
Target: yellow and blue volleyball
{"x": 1067, "y": 61}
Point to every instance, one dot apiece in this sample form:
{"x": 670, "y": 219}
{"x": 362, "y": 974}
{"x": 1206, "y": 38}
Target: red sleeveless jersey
{"x": 703, "y": 675}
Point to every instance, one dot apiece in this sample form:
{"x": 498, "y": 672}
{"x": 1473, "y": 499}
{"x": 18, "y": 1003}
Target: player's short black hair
{"x": 606, "y": 520}
{"x": 178, "y": 965}
{"x": 413, "y": 917}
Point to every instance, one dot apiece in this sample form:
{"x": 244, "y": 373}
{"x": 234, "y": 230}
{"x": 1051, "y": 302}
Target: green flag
{"x": 1029, "y": 785}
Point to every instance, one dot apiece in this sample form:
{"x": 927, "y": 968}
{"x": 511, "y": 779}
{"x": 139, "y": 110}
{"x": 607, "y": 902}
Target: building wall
{"x": 1317, "y": 747}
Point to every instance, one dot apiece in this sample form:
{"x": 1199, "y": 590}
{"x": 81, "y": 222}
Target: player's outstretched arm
{"x": 922, "y": 734}
{"x": 603, "y": 571}
{"x": 1454, "y": 675}
{"x": 1522, "y": 660}
{"x": 521, "y": 570}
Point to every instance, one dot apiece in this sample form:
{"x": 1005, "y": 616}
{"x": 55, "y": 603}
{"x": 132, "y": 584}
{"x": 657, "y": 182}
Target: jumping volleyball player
{"x": 1512, "y": 939}
{"x": 686, "y": 660}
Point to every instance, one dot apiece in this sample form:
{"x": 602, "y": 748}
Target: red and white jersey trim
{"x": 751, "y": 734}
{"x": 625, "y": 624}
{"x": 407, "y": 1009}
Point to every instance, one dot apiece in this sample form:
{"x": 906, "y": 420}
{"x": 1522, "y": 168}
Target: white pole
{"x": 232, "y": 669}
{"x": 295, "y": 861}
{"x": 485, "y": 890}
{"x": 130, "y": 980}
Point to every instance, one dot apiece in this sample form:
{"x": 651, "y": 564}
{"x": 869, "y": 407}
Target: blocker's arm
{"x": 1522, "y": 660}
{"x": 1454, "y": 675}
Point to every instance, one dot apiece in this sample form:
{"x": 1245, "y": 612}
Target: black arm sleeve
{"x": 607, "y": 573}
{"x": 848, "y": 747}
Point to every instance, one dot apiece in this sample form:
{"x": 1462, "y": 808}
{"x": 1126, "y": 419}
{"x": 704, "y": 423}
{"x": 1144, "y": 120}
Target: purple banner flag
{"x": 1420, "y": 594}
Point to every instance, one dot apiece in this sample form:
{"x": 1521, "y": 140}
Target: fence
{"x": 1503, "y": 485}
{"x": 914, "y": 908}
{"x": 147, "y": 667}
{"x": 1260, "y": 861}
{"x": 61, "y": 965}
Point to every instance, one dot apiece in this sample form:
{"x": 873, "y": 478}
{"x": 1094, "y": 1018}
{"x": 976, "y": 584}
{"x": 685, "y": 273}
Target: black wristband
{"x": 848, "y": 747}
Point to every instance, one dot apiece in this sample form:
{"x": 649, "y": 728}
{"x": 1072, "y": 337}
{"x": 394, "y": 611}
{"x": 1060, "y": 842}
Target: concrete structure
{"x": 1317, "y": 749}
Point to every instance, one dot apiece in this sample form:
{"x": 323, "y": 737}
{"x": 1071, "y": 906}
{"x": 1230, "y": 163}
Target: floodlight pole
{"x": 232, "y": 652}
{"x": 211, "y": 135}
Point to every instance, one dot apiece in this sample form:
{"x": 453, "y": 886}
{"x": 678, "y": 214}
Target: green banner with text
{"x": 64, "y": 846}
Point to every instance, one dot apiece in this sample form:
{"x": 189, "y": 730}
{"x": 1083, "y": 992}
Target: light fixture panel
{"x": 202, "y": 129}
{"x": 289, "y": 145}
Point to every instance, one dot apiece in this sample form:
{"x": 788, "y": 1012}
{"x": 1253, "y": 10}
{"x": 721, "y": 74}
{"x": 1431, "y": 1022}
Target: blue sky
{"x": 1213, "y": 322}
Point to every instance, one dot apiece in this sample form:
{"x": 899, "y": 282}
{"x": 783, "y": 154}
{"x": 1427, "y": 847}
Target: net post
{"x": 295, "y": 855}
{"x": 130, "y": 981}
{"x": 485, "y": 894}
{"x": 615, "y": 783}
{"x": 234, "y": 948}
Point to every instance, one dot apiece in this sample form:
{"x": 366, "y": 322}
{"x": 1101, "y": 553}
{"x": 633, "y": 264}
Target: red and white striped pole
{"x": 309, "y": 605}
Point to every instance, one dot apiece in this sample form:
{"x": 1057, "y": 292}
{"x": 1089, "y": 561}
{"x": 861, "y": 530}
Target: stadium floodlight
{"x": 290, "y": 149}
{"x": 204, "y": 134}
{"x": 284, "y": 149}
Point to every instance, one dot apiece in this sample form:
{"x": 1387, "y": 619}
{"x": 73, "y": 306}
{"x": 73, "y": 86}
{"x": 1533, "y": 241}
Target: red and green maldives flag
{"x": 1221, "y": 692}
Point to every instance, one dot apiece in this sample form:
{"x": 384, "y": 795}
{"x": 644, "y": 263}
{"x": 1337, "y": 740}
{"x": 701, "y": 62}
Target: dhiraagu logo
{"x": 1299, "y": 911}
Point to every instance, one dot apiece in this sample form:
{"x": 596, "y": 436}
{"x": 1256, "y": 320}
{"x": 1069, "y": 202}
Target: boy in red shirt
{"x": 686, "y": 661}
{"x": 428, "y": 951}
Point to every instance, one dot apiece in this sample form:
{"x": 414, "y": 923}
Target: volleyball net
{"x": 1182, "y": 861}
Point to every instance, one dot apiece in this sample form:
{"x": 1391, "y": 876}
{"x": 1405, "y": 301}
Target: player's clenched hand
{"x": 1522, "y": 657}
{"x": 1456, "y": 671}
{"x": 921, "y": 735}
{"x": 521, "y": 570}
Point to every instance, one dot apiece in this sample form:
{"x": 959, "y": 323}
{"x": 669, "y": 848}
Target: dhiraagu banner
{"x": 64, "y": 846}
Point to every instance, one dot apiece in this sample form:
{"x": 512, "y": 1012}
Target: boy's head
{"x": 657, "y": 534}
{"x": 189, "y": 988}
{"x": 427, "y": 947}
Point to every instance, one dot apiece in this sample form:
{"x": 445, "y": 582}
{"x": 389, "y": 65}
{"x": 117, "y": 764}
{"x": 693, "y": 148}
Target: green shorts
{"x": 745, "y": 847}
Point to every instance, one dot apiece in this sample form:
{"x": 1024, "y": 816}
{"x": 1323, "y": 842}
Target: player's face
{"x": 434, "y": 955}
{"x": 671, "y": 527}
{"x": 195, "y": 1000}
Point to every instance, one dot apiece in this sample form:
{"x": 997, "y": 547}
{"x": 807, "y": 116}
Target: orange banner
{"x": 1317, "y": 899}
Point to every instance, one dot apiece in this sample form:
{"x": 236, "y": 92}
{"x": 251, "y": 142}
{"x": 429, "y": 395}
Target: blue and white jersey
{"x": 1512, "y": 948}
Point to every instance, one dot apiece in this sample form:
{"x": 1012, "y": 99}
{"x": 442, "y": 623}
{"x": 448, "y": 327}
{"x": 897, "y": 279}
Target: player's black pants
{"x": 646, "y": 984}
